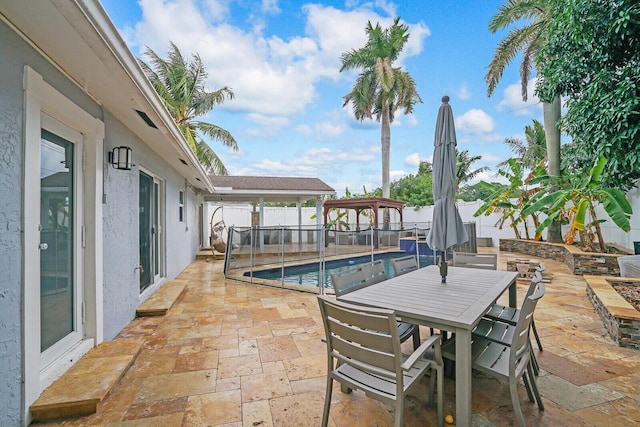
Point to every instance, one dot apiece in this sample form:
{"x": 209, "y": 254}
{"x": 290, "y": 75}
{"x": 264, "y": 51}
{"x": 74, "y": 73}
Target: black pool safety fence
{"x": 303, "y": 257}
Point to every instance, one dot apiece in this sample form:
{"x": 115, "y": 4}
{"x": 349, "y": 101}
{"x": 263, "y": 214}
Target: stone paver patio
{"x": 239, "y": 355}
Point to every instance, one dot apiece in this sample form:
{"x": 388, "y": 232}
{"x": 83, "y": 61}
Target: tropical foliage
{"x": 512, "y": 201}
{"x": 381, "y": 89}
{"x": 416, "y": 190}
{"x": 592, "y": 56}
{"x": 464, "y": 172}
{"x": 180, "y": 84}
{"x": 532, "y": 150}
{"x": 480, "y": 191}
{"x": 526, "y": 42}
{"x": 575, "y": 200}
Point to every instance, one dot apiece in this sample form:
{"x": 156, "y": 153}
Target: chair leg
{"x": 327, "y": 401}
{"x": 398, "y": 412}
{"x": 513, "y": 388}
{"x": 527, "y": 387}
{"x": 534, "y": 362}
{"x": 440, "y": 409}
{"x": 432, "y": 386}
{"x": 534, "y": 386}
{"x": 416, "y": 338}
{"x": 535, "y": 334}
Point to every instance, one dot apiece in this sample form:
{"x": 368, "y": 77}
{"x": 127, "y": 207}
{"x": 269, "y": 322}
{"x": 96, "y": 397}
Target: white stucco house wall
{"x": 82, "y": 243}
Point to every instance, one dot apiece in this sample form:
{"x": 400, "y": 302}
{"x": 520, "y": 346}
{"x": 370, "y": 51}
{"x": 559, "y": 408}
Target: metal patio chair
{"x": 367, "y": 275}
{"x": 404, "y": 264}
{"x": 470, "y": 260}
{"x": 506, "y": 314}
{"x": 363, "y": 353}
{"x": 508, "y": 362}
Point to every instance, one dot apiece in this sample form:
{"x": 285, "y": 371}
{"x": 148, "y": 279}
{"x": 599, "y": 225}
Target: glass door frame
{"x": 157, "y": 242}
{"x": 61, "y": 346}
{"x": 43, "y": 100}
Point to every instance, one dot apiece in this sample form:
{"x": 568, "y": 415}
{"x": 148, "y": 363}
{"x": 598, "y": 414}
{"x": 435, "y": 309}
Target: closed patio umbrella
{"x": 447, "y": 229}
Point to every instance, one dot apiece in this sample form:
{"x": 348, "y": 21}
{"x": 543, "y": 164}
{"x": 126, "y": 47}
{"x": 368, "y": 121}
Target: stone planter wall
{"x": 579, "y": 262}
{"x": 620, "y": 318}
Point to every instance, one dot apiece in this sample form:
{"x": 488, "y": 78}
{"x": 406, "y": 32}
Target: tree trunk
{"x": 385, "y": 141}
{"x": 552, "y": 114}
{"x": 596, "y": 224}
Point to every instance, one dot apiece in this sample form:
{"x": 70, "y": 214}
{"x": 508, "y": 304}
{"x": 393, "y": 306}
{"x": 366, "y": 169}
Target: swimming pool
{"x": 308, "y": 274}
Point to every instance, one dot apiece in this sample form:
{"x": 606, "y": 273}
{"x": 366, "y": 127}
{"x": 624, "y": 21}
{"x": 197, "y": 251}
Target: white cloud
{"x": 269, "y": 126}
{"x": 413, "y": 159}
{"x": 512, "y": 99}
{"x": 474, "y": 121}
{"x": 270, "y": 6}
{"x": 329, "y": 130}
{"x": 463, "y": 92}
{"x": 395, "y": 175}
{"x": 304, "y": 130}
{"x": 269, "y": 75}
{"x": 411, "y": 120}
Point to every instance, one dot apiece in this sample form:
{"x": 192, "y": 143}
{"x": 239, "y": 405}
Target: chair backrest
{"x": 541, "y": 267}
{"x": 404, "y": 264}
{"x": 348, "y": 281}
{"x": 363, "y": 337}
{"x": 535, "y": 279}
{"x": 469, "y": 260}
{"x": 520, "y": 347}
{"x": 374, "y": 272}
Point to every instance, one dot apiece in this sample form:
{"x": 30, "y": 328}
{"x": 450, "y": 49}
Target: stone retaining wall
{"x": 579, "y": 262}
{"x": 620, "y": 318}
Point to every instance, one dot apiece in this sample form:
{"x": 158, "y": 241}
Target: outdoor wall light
{"x": 120, "y": 158}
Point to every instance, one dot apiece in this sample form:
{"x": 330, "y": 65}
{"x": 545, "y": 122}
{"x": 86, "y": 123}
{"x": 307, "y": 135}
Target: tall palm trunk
{"x": 385, "y": 143}
{"x": 552, "y": 114}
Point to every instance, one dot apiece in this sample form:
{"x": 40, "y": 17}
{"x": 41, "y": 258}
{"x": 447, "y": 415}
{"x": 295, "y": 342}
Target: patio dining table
{"x": 456, "y": 306}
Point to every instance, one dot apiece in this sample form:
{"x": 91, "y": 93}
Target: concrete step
{"x": 80, "y": 390}
{"x": 162, "y": 300}
{"x": 207, "y": 253}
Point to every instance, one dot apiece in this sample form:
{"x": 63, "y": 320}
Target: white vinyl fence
{"x": 239, "y": 215}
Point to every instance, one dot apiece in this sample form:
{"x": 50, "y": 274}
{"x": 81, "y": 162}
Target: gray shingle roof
{"x": 270, "y": 183}
{"x": 268, "y": 188}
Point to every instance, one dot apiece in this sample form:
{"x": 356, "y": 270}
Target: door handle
{"x": 43, "y": 246}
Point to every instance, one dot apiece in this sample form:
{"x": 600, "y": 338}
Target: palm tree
{"x": 180, "y": 84}
{"x": 533, "y": 149}
{"x": 381, "y": 90}
{"x": 463, "y": 167}
{"x": 527, "y": 40}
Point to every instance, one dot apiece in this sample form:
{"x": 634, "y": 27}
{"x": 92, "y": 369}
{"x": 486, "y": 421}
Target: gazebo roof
{"x": 364, "y": 203}
{"x": 360, "y": 204}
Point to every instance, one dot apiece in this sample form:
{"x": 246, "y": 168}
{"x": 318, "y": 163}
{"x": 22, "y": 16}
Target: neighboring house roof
{"x": 79, "y": 39}
{"x": 56, "y": 180}
{"x": 269, "y": 188}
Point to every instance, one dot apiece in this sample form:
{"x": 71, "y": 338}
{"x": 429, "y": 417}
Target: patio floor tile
{"x": 232, "y": 354}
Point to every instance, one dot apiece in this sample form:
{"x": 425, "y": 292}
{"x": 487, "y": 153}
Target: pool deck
{"x": 232, "y": 354}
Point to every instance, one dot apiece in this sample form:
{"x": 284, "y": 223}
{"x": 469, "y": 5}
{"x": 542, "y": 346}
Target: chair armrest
{"x": 432, "y": 341}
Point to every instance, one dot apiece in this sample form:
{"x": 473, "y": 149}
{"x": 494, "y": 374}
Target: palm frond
{"x": 217, "y": 134}
{"x": 180, "y": 83}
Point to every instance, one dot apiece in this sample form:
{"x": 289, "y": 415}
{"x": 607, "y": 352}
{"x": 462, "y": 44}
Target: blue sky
{"x": 281, "y": 59}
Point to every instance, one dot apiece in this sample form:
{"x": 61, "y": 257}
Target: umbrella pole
{"x": 443, "y": 266}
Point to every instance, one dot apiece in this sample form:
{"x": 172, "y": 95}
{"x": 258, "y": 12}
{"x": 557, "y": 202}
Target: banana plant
{"x": 575, "y": 197}
{"x": 512, "y": 201}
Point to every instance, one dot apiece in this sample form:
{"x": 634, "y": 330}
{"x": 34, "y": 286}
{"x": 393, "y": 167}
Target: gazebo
{"x": 364, "y": 203}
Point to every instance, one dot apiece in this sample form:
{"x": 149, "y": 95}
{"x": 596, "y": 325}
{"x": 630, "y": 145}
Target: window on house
{"x": 181, "y": 206}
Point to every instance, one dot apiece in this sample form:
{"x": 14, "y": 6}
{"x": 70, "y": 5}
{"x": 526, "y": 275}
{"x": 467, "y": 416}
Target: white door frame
{"x": 158, "y": 249}
{"x": 42, "y": 99}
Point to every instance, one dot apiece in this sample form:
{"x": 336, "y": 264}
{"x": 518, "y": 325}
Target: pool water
{"x": 308, "y": 274}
